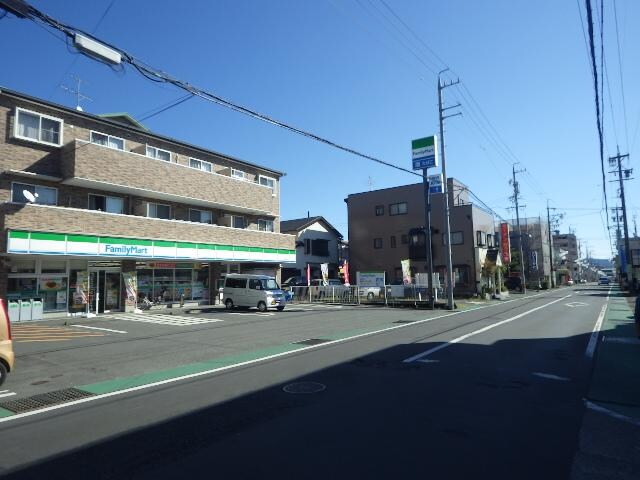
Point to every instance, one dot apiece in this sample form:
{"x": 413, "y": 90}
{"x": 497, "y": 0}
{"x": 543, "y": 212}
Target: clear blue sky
{"x": 340, "y": 69}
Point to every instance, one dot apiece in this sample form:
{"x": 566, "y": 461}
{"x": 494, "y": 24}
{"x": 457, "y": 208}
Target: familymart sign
{"x": 424, "y": 152}
{"x": 41, "y": 243}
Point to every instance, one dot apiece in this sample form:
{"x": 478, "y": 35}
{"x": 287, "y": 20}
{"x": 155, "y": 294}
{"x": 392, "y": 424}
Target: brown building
{"x": 387, "y": 226}
{"x": 103, "y": 198}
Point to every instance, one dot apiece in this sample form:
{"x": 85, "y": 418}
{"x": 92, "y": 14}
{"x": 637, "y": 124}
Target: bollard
{"x": 181, "y": 300}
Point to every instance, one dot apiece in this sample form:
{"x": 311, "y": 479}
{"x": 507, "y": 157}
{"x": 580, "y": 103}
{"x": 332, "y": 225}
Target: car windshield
{"x": 269, "y": 284}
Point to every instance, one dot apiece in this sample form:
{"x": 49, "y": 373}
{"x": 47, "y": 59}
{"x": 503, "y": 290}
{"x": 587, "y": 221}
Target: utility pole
{"x": 555, "y": 219}
{"x": 79, "y": 96}
{"x": 445, "y": 183}
{"x": 427, "y": 233}
{"x": 627, "y": 249}
{"x": 516, "y": 197}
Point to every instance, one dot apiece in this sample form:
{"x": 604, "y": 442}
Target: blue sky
{"x": 349, "y": 71}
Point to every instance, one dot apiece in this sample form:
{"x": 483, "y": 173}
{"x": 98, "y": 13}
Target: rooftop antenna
{"x": 79, "y": 96}
{"x": 370, "y": 183}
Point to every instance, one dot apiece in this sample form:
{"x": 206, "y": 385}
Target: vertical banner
{"x": 308, "y": 275}
{"x": 406, "y": 271}
{"x": 505, "y": 243}
{"x": 344, "y": 270}
{"x": 324, "y": 268}
{"x": 131, "y": 285}
{"x": 82, "y": 287}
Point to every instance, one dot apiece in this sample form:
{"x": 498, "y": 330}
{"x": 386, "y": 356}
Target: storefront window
{"x": 53, "y": 291}
{"x": 163, "y": 285}
{"x": 201, "y": 283}
{"x": 183, "y": 283}
{"x": 19, "y": 288}
{"x": 145, "y": 284}
{"x": 22, "y": 265}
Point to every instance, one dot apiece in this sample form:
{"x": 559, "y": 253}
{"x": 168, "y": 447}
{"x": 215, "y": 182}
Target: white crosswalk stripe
{"x": 161, "y": 319}
{"x": 6, "y": 393}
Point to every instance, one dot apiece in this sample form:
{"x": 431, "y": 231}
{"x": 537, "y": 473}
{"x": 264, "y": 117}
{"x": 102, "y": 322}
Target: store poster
{"x": 406, "y": 271}
{"x": 82, "y": 287}
{"x": 131, "y": 285}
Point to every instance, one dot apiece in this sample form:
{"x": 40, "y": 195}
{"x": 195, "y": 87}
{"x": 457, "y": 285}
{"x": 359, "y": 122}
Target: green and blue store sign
{"x": 41, "y": 243}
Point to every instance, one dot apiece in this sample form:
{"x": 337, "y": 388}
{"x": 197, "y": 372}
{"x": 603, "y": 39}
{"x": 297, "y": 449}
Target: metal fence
{"x": 392, "y": 295}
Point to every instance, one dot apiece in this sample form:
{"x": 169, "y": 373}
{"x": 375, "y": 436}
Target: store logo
{"x": 126, "y": 250}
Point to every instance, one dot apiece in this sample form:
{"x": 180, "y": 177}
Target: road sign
{"x": 424, "y": 152}
{"x": 435, "y": 183}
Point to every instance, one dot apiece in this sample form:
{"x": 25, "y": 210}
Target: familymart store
{"x": 72, "y": 273}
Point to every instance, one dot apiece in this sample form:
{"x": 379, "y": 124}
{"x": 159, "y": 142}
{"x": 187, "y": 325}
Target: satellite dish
{"x": 29, "y": 196}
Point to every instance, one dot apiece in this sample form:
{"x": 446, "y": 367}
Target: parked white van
{"x": 260, "y": 291}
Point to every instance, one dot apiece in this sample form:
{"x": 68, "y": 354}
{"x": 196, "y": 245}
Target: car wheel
{"x": 280, "y": 308}
{"x": 262, "y": 307}
{"x": 228, "y": 303}
{"x": 3, "y": 373}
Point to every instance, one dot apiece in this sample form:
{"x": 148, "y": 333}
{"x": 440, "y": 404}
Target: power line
{"x": 624, "y": 102}
{"x": 164, "y": 108}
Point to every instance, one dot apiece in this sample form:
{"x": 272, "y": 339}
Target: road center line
{"x": 481, "y": 330}
{"x": 98, "y": 328}
{"x": 593, "y": 340}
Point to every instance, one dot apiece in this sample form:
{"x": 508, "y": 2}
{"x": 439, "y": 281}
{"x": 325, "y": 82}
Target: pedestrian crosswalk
{"x": 6, "y": 393}
{"x": 41, "y": 333}
{"x": 162, "y": 319}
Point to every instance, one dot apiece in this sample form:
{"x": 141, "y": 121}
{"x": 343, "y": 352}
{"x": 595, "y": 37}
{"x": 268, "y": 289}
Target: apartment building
{"x": 90, "y": 203}
{"x": 567, "y": 266}
{"x": 535, "y": 248}
{"x": 387, "y": 226}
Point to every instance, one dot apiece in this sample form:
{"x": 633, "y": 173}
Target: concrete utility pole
{"x": 445, "y": 186}
{"x": 555, "y": 219}
{"x": 516, "y": 196}
{"x": 627, "y": 249}
{"x": 427, "y": 232}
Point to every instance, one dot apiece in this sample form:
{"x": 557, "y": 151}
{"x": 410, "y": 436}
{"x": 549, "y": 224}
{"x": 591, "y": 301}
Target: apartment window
{"x": 379, "y": 210}
{"x": 398, "y": 208}
{"x": 158, "y": 154}
{"x": 307, "y": 246}
{"x": 377, "y": 243}
{"x": 107, "y": 140}
{"x": 635, "y": 257}
{"x": 268, "y": 182}
{"x": 36, "y": 127}
{"x": 457, "y": 238}
{"x": 239, "y": 174}
{"x": 200, "y": 165}
{"x": 404, "y": 239}
{"x": 481, "y": 238}
{"x": 461, "y": 275}
{"x": 238, "y": 222}
{"x": 200, "y": 216}
{"x": 106, "y": 204}
{"x": 43, "y": 195}
{"x": 489, "y": 240}
{"x": 158, "y": 210}
{"x": 393, "y": 241}
{"x": 265, "y": 225}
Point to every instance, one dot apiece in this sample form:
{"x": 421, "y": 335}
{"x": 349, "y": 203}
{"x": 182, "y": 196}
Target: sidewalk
{"x": 609, "y": 443}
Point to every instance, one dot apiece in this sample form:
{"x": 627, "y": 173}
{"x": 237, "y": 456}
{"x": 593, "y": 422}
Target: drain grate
{"x": 44, "y": 400}
{"x": 312, "y": 341}
{"x": 404, "y": 321}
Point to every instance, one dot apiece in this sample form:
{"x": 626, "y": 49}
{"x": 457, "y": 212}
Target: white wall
{"x": 316, "y": 231}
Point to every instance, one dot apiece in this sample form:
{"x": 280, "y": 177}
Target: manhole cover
{"x": 304, "y": 387}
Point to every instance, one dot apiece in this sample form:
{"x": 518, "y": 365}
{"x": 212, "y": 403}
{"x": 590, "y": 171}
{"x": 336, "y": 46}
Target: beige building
{"x": 387, "y": 226}
{"x": 102, "y": 198}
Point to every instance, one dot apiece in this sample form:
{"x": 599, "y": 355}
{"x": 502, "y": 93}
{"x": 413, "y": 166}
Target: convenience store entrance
{"x": 104, "y": 290}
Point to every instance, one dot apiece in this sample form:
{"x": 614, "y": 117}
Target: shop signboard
{"x": 435, "y": 183}
{"x": 505, "y": 243}
{"x": 424, "y": 152}
{"x": 370, "y": 279}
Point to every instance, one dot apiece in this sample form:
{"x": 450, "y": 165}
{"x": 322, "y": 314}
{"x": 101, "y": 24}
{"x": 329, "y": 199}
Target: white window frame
{"x": 105, "y": 197}
{"x": 41, "y": 116}
{"x": 109, "y": 137}
{"x": 244, "y": 221}
{"x": 35, "y": 186}
{"x": 146, "y": 151}
{"x": 273, "y": 189}
{"x": 202, "y": 162}
{"x": 266, "y": 221}
{"x": 200, "y": 210}
{"x": 162, "y": 204}
{"x": 235, "y": 171}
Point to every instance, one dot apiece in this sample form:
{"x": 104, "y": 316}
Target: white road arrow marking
{"x": 576, "y": 304}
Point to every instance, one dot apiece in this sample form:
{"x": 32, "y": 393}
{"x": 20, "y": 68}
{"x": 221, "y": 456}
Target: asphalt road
{"x": 491, "y": 393}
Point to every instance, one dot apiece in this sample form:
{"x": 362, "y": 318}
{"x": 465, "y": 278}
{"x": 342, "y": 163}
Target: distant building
{"x": 535, "y": 248}
{"x": 317, "y": 242}
{"x": 568, "y": 265}
{"x": 387, "y": 226}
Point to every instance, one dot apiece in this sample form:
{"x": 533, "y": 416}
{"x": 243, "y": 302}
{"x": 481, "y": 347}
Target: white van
{"x": 259, "y": 291}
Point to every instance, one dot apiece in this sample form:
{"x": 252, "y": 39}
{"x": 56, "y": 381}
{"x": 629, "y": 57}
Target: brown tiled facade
{"x": 78, "y": 168}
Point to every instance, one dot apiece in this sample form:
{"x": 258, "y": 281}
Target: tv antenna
{"x": 79, "y": 96}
